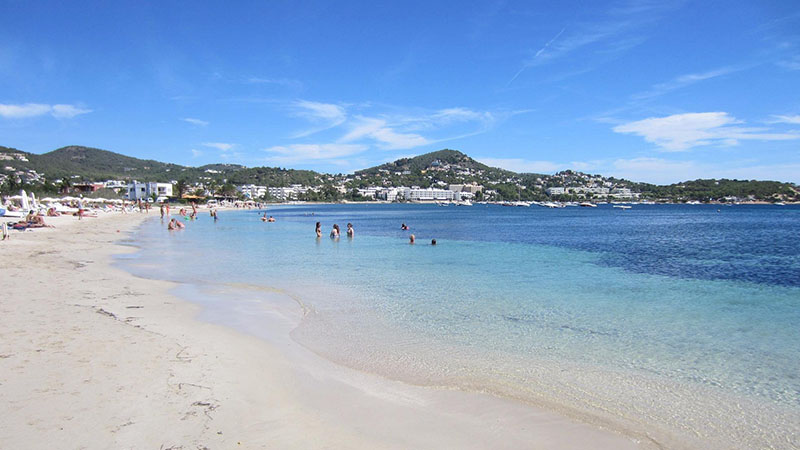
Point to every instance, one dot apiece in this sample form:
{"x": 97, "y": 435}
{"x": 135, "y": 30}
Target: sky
{"x": 655, "y": 91}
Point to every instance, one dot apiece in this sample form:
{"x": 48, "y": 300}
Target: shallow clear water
{"x": 678, "y": 309}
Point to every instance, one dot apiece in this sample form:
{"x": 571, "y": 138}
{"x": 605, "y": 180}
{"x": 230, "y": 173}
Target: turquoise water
{"x": 677, "y": 323}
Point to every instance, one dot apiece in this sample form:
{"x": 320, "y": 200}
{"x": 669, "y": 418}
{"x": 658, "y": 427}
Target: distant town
{"x": 444, "y": 176}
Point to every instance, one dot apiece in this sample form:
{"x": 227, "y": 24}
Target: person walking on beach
{"x": 319, "y": 230}
{"x": 335, "y": 232}
{"x": 350, "y": 231}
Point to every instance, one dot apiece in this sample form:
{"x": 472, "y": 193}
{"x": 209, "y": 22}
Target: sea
{"x": 678, "y": 325}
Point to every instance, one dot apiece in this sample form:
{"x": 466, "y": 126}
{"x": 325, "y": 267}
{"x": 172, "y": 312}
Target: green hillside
{"x": 436, "y": 169}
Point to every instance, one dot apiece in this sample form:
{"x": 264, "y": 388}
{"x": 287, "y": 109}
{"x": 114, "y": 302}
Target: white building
{"x": 143, "y": 191}
{"x": 287, "y": 193}
{"x": 429, "y": 195}
{"x": 252, "y": 191}
{"x": 370, "y": 192}
{"x": 621, "y": 193}
{"x": 555, "y": 191}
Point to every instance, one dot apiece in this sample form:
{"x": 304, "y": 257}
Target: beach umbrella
{"x": 26, "y": 205}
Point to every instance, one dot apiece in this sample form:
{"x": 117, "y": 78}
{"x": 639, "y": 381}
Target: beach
{"x": 94, "y": 357}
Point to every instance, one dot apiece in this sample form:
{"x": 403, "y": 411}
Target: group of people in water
{"x": 175, "y": 223}
{"x": 411, "y": 238}
{"x": 335, "y": 231}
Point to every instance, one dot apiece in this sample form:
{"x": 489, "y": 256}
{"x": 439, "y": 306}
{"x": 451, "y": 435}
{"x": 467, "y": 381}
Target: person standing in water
{"x": 350, "y": 231}
{"x": 335, "y": 232}
{"x": 319, "y": 230}
{"x": 411, "y": 239}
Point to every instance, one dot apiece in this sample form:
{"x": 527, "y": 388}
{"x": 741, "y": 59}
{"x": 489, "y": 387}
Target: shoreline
{"x": 98, "y": 358}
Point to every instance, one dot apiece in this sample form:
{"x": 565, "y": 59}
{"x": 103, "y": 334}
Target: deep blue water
{"x": 755, "y": 243}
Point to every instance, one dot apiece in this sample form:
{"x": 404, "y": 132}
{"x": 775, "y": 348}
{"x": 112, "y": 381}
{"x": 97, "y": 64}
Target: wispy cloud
{"x": 202, "y": 123}
{"x": 323, "y": 115}
{"x": 536, "y": 55}
{"x": 27, "y": 110}
{"x": 196, "y": 153}
{"x": 221, "y": 146}
{"x": 386, "y": 137}
{"x": 790, "y": 63}
{"x": 312, "y": 152}
{"x": 285, "y": 82}
{"x": 686, "y": 80}
{"x": 795, "y": 119}
{"x": 667, "y": 171}
{"x": 621, "y": 28}
{"x": 392, "y": 131}
{"x": 680, "y": 132}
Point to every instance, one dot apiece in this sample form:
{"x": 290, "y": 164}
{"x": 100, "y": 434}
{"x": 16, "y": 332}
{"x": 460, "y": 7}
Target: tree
{"x": 65, "y": 185}
{"x": 180, "y": 187}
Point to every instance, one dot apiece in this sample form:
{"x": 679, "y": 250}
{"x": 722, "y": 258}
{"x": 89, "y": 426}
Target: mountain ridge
{"x": 438, "y": 168}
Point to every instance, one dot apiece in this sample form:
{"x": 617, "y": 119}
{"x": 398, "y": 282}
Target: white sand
{"x": 93, "y": 357}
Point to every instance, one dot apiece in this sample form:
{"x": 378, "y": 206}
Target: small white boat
{"x": 623, "y": 207}
{"x": 587, "y": 205}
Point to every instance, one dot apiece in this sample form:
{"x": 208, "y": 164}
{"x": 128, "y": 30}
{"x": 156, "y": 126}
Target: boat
{"x": 623, "y": 207}
{"x": 587, "y": 205}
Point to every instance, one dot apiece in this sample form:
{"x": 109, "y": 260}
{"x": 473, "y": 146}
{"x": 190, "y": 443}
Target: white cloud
{"x": 387, "y": 137}
{"x": 23, "y": 111}
{"x": 222, "y": 146}
{"x": 68, "y": 111}
{"x": 59, "y": 111}
{"x": 664, "y": 171}
{"x": 326, "y": 115}
{"x": 393, "y": 131}
{"x": 522, "y": 166}
{"x": 686, "y": 80}
{"x": 196, "y": 153}
{"x": 192, "y": 121}
{"x": 785, "y": 119}
{"x": 680, "y": 132}
{"x": 305, "y": 152}
{"x": 286, "y": 82}
{"x": 792, "y": 63}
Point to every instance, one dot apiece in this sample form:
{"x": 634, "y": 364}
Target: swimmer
{"x": 335, "y": 232}
{"x": 411, "y": 239}
{"x": 433, "y": 241}
{"x": 350, "y": 231}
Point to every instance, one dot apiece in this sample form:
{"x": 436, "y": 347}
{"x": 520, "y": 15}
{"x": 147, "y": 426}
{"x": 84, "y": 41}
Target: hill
{"x": 436, "y": 169}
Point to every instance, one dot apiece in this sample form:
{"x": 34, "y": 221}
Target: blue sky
{"x": 654, "y": 91}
